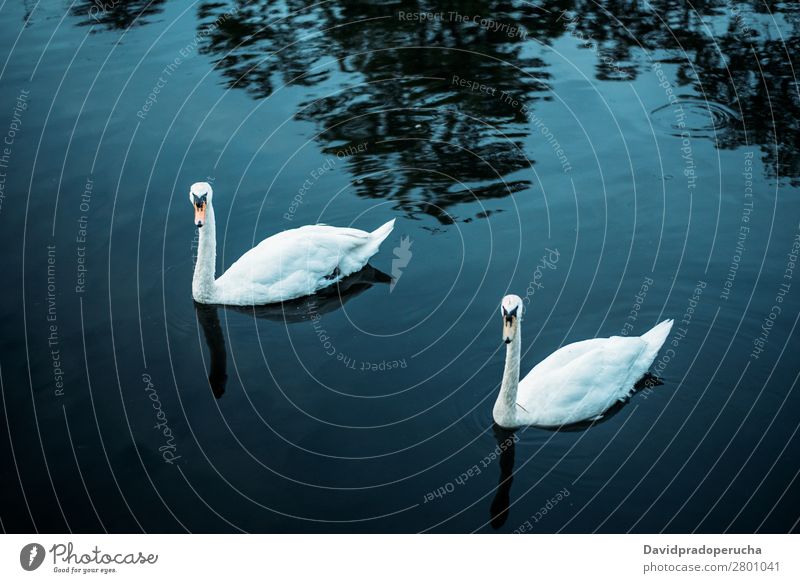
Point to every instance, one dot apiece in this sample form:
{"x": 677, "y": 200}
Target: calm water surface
{"x": 615, "y": 165}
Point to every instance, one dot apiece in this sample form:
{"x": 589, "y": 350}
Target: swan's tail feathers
{"x": 655, "y": 338}
{"x": 372, "y": 243}
{"x": 657, "y": 335}
{"x": 379, "y": 235}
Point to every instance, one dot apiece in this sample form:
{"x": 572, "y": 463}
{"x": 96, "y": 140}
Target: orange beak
{"x": 199, "y": 214}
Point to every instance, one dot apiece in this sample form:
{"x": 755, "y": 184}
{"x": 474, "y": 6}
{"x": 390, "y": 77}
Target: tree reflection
{"x": 726, "y": 52}
{"x": 382, "y": 80}
{"x": 116, "y": 14}
{"x": 392, "y": 86}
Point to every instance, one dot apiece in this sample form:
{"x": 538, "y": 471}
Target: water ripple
{"x": 698, "y": 118}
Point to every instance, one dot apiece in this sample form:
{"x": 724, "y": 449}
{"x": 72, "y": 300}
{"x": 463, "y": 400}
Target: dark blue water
{"x": 612, "y": 164}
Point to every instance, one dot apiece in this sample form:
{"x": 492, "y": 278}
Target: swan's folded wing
{"x": 294, "y": 262}
{"x": 565, "y": 355}
{"x": 582, "y": 384}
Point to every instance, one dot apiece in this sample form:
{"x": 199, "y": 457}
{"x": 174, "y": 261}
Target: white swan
{"x": 578, "y": 382}
{"x": 285, "y": 266}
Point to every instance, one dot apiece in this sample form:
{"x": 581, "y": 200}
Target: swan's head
{"x": 200, "y": 196}
{"x": 511, "y": 310}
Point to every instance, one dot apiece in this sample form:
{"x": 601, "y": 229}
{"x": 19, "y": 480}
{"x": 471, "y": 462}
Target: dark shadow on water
{"x": 648, "y": 381}
{"x": 291, "y": 312}
{"x": 498, "y": 511}
{"x": 208, "y": 318}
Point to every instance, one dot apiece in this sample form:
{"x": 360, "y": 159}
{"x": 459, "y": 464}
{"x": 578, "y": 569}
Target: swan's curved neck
{"x": 505, "y": 408}
{"x": 203, "y": 287}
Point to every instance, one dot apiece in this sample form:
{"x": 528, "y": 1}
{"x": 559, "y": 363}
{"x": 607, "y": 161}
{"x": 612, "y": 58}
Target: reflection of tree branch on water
{"x": 431, "y": 143}
{"x": 396, "y": 76}
{"x": 116, "y": 14}
{"x": 291, "y": 312}
{"x": 389, "y": 82}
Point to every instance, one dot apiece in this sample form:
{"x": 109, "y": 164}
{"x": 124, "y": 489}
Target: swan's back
{"x": 299, "y": 262}
{"x": 581, "y": 381}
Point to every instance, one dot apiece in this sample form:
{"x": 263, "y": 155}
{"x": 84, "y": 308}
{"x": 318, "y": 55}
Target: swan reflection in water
{"x": 506, "y": 444}
{"x": 300, "y": 310}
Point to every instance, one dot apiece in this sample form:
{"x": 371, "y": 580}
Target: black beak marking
{"x": 199, "y": 203}
{"x": 509, "y": 316}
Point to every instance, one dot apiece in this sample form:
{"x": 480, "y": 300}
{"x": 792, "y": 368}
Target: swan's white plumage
{"x": 297, "y": 263}
{"x": 578, "y": 382}
{"x": 285, "y": 266}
